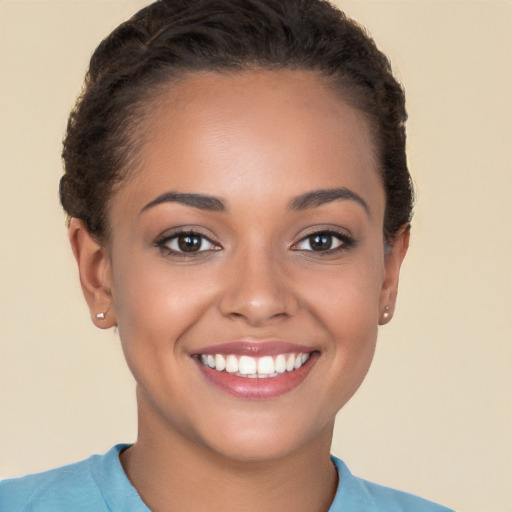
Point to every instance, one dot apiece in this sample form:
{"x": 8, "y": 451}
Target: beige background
{"x": 435, "y": 414}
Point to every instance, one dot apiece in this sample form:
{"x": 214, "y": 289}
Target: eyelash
{"x": 164, "y": 242}
{"x": 345, "y": 242}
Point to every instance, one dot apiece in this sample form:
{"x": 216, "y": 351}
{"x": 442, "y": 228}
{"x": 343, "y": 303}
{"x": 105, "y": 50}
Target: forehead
{"x": 252, "y": 134}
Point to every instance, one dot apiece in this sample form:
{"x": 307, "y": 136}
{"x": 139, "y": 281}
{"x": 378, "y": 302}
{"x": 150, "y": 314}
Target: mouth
{"x": 256, "y": 371}
{"x": 249, "y": 367}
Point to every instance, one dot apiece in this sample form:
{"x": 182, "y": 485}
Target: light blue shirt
{"x": 99, "y": 484}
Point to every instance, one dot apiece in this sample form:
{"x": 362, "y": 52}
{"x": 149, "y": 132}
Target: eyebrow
{"x": 203, "y": 202}
{"x": 319, "y": 197}
{"x": 305, "y": 201}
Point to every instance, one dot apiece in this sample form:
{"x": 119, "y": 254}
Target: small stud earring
{"x": 103, "y": 314}
{"x": 386, "y": 315}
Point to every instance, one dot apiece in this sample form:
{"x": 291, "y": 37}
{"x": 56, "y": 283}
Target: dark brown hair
{"x": 171, "y": 38}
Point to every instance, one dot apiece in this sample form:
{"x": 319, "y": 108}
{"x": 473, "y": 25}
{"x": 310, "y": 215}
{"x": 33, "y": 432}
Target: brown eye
{"x": 320, "y": 242}
{"x": 187, "y": 243}
{"x": 324, "y": 241}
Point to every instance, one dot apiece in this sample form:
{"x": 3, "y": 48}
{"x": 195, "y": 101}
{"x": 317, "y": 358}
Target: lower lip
{"x": 258, "y": 388}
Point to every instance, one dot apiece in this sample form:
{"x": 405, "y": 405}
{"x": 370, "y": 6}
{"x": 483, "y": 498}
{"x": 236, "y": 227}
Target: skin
{"x": 255, "y": 140}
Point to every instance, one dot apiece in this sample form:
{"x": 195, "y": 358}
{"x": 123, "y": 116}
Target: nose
{"x": 257, "y": 290}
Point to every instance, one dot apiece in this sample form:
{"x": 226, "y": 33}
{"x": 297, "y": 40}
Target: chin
{"x": 266, "y": 438}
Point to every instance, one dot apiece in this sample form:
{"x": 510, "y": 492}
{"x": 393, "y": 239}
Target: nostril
{"x": 258, "y": 318}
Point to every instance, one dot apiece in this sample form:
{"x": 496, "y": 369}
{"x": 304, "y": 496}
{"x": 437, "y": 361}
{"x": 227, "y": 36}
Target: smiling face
{"x": 246, "y": 267}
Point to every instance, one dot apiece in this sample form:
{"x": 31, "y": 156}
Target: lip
{"x": 257, "y": 388}
{"x": 258, "y": 348}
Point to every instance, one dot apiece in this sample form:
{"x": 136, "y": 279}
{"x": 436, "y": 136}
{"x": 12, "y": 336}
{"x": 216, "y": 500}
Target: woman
{"x": 239, "y": 207}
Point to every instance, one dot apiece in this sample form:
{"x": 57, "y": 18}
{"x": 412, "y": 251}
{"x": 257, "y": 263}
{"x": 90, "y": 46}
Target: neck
{"x": 173, "y": 473}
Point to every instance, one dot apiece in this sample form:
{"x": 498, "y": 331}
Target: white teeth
{"x": 266, "y": 365}
{"x": 251, "y": 367}
{"x": 280, "y": 364}
{"x": 231, "y": 364}
{"x": 247, "y": 365}
{"x": 220, "y": 362}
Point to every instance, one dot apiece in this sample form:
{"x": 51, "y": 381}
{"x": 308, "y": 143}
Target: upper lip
{"x": 255, "y": 348}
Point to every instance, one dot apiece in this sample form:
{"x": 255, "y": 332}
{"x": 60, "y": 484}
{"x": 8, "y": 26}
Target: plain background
{"x": 434, "y": 416}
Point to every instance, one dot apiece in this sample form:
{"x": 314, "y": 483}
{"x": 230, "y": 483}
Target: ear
{"x": 95, "y": 274}
{"x": 392, "y": 263}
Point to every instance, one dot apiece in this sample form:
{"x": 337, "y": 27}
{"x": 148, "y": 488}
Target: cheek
{"x": 347, "y": 296}
{"x": 345, "y": 301}
{"x": 153, "y": 304}
{"x": 155, "y": 307}
{"x": 147, "y": 288}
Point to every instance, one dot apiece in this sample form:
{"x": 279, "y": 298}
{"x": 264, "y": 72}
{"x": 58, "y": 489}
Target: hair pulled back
{"x": 171, "y": 38}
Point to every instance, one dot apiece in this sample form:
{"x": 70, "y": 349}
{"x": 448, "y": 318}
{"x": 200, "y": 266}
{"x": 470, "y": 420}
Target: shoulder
{"x": 74, "y": 487}
{"x": 355, "y": 494}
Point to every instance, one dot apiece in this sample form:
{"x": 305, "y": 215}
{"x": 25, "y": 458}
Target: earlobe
{"x": 95, "y": 274}
{"x": 392, "y": 265}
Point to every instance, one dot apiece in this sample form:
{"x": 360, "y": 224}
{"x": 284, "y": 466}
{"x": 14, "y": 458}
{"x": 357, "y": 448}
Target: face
{"x": 246, "y": 266}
